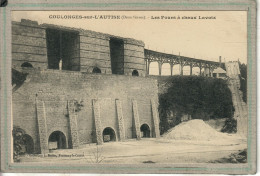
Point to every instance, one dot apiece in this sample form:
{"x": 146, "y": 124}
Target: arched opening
{"x": 145, "y": 131}
{"x": 135, "y": 73}
{"x": 176, "y": 69}
{"x": 153, "y": 68}
{"x": 96, "y": 70}
{"x": 196, "y": 71}
{"x": 166, "y": 69}
{"x": 27, "y": 64}
{"x": 28, "y": 144}
{"x": 109, "y": 135}
{"x": 57, "y": 140}
{"x": 186, "y": 70}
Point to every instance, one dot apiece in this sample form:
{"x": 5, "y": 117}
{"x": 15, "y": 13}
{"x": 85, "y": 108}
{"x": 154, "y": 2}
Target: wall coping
{"x": 33, "y": 71}
{"x": 82, "y": 32}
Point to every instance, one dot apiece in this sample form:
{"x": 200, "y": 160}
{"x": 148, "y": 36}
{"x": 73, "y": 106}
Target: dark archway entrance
{"x": 109, "y": 135}
{"x": 63, "y": 45}
{"x": 145, "y": 130}
{"x": 135, "y": 73}
{"x": 28, "y": 144}
{"x": 117, "y": 55}
{"x": 96, "y": 70}
{"x": 57, "y": 140}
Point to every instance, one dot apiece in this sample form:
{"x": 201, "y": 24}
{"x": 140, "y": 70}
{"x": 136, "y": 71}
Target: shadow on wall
{"x": 18, "y": 79}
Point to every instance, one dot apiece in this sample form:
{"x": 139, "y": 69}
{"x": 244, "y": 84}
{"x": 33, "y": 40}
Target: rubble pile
{"x": 194, "y": 130}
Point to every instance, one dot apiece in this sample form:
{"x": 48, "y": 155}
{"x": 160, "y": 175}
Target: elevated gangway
{"x": 241, "y": 111}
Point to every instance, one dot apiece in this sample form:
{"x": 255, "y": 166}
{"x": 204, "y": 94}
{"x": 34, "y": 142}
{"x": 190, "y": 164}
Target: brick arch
{"x": 96, "y": 70}
{"x": 166, "y": 69}
{"x": 135, "y": 73}
{"x": 61, "y": 130}
{"x": 146, "y": 130}
{"x": 154, "y": 68}
{"x": 90, "y": 68}
{"x": 111, "y": 132}
{"x": 60, "y": 139}
{"x": 26, "y": 65}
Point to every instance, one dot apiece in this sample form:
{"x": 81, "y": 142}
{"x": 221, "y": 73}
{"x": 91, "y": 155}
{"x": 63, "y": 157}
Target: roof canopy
{"x": 219, "y": 70}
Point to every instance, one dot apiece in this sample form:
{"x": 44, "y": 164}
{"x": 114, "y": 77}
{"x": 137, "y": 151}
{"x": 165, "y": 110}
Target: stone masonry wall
{"x": 94, "y": 52}
{"x": 90, "y": 49}
{"x": 134, "y": 57}
{"x": 55, "y": 88}
{"x": 29, "y": 44}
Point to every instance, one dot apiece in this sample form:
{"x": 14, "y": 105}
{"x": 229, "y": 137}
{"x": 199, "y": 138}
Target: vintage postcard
{"x": 137, "y": 87}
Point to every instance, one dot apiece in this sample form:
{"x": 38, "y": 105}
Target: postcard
{"x": 137, "y": 87}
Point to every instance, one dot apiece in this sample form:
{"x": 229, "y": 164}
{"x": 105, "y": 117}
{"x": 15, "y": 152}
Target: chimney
{"x": 220, "y": 61}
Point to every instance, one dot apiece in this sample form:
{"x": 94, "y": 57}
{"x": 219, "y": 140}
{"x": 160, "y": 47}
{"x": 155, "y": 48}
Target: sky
{"x": 225, "y": 35}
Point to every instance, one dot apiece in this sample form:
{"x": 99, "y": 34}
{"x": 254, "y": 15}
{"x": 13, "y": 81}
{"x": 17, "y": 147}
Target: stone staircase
{"x": 240, "y": 106}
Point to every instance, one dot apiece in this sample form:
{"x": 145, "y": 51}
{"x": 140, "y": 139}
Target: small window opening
{"x": 96, "y": 70}
{"x": 135, "y": 73}
{"x": 27, "y": 64}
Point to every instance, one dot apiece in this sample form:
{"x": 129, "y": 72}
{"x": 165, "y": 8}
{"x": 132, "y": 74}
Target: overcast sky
{"x": 207, "y": 39}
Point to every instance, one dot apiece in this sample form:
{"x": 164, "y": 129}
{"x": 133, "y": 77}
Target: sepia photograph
{"x": 147, "y": 88}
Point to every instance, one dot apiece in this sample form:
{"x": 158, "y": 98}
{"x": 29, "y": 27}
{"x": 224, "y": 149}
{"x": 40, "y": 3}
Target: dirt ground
{"x": 146, "y": 150}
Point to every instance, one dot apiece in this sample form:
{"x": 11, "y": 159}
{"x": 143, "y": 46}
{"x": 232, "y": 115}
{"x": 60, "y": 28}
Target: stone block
{"x": 26, "y": 30}
{"x": 29, "y": 40}
{"x": 93, "y": 40}
{"x": 134, "y": 47}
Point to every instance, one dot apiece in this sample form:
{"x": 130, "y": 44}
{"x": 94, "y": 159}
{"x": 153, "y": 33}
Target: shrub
{"x": 243, "y": 80}
{"x": 230, "y": 126}
{"x": 201, "y": 97}
{"x": 18, "y": 141}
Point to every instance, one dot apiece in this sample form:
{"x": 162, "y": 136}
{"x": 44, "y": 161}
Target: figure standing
{"x": 60, "y": 64}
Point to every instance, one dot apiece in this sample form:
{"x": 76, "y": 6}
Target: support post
{"x": 136, "y": 120}
{"x": 42, "y": 126}
{"x": 190, "y": 69}
{"x": 73, "y": 125}
{"x": 210, "y": 70}
{"x": 181, "y": 69}
{"x": 200, "y": 68}
{"x": 171, "y": 65}
{"x": 155, "y": 119}
{"x": 96, "y": 109}
{"x": 120, "y": 119}
{"x": 148, "y": 66}
{"x": 160, "y": 67}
